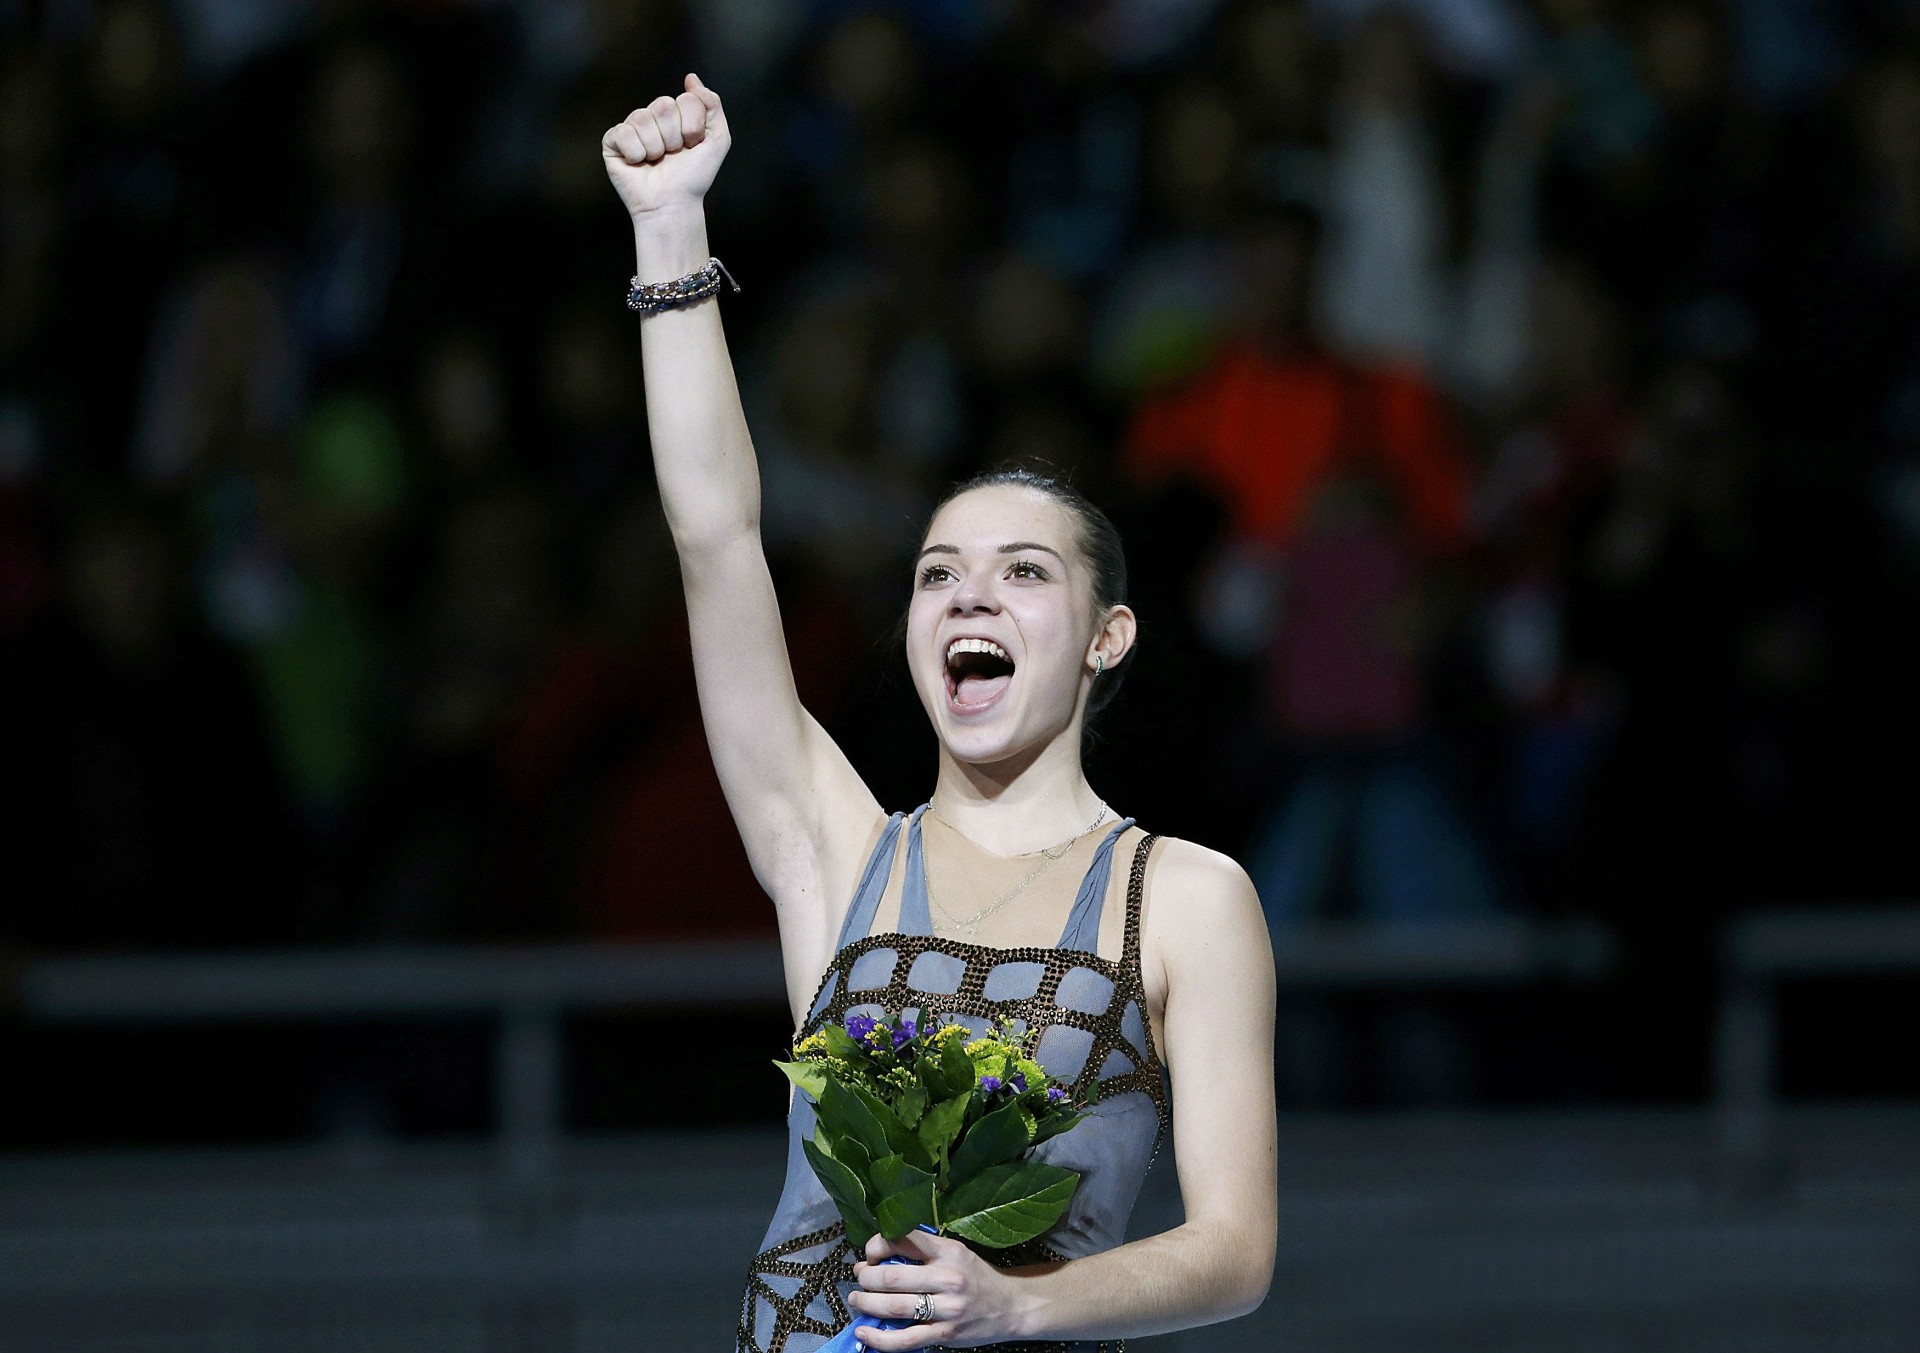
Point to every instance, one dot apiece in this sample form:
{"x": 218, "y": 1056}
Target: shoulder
{"x": 1196, "y": 896}
{"x": 1202, "y": 931}
{"x": 1187, "y": 868}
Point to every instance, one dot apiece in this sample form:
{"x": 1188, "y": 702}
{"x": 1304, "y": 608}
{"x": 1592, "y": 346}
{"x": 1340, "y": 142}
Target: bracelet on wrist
{"x": 647, "y": 298}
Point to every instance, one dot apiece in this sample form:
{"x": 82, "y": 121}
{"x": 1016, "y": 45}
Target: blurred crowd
{"x": 1512, "y": 411}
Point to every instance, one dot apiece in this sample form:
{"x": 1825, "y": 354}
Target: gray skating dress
{"x": 1092, "y": 1013}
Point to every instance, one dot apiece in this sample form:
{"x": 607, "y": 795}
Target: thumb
{"x": 698, "y": 88}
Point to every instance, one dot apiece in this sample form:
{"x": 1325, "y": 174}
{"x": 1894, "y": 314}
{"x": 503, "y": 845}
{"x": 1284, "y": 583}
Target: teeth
{"x": 977, "y": 646}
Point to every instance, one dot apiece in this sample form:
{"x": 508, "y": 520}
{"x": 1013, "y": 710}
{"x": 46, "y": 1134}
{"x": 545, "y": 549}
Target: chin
{"x": 981, "y": 746}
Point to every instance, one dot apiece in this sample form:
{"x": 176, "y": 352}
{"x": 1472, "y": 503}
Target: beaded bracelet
{"x": 650, "y": 297}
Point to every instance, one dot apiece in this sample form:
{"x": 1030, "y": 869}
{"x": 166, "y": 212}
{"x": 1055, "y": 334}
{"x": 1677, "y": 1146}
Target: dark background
{"x": 1512, "y": 413}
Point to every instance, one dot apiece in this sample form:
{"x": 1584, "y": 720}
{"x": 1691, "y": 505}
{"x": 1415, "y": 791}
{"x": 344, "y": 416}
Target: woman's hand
{"x": 666, "y": 154}
{"x": 973, "y": 1302}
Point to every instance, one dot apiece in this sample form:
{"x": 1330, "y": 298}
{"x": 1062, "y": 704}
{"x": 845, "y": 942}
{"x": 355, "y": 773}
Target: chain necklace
{"x": 970, "y": 925}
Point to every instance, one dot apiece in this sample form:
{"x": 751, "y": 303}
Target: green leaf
{"x": 850, "y": 1113}
{"x": 1008, "y": 1204}
{"x": 840, "y": 1043}
{"x": 846, "y": 1150}
{"x": 810, "y": 1077}
{"x": 898, "y": 1138}
{"x": 906, "y": 1196}
{"x": 912, "y": 1104}
{"x": 1053, "y": 1125}
{"x": 995, "y": 1139}
{"x": 956, "y": 1070}
{"x": 848, "y": 1193}
{"x": 941, "y": 1125}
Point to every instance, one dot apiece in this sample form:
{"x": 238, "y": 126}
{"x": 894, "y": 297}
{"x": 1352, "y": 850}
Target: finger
{"x": 913, "y": 1336}
{"x": 919, "y": 1245}
{"x": 693, "y": 118}
{"x": 622, "y": 140}
{"x": 666, "y": 116}
{"x": 898, "y": 1305}
{"x": 705, "y": 95}
{"x": 905, "y": 1278}
{"x": 641, "y": 120}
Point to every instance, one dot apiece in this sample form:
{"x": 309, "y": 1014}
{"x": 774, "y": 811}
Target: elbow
{"x": 697, "y": 541}
{"x": 1251, "y": 1279}
{"x": 1250, "y": 1295}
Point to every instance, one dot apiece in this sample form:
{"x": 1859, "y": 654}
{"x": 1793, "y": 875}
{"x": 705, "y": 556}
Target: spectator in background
{"x": 39, "y": 390}
{"x": 1166, "y": 308}
{"x": 141, "y": 802}
{"x": 1383, "y": 273}
{"x": 138, "y": 192}
{"x": 1344, "y": 484}
{"x": 612, "y": 822}
{"x": 1532, "y": 512}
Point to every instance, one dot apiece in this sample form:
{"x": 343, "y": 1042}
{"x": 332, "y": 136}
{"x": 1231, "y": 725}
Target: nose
{"x": 974, "y": 596}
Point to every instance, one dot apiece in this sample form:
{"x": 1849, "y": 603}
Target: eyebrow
{"x": 1012, "y": 547}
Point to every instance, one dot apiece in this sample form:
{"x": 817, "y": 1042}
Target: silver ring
{"x": 924, "y": 1309}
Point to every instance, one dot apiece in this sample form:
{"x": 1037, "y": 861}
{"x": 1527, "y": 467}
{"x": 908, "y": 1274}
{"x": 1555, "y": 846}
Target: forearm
{"x": 1191, "y": 1275}
{"x": 702, "y": 454}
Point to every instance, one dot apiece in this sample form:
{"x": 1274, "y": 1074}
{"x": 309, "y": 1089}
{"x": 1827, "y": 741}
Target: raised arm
{"x": 803, "y": 812}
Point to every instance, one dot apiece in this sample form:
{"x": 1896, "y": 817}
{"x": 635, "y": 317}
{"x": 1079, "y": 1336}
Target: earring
{"x": 1100, "y": 664}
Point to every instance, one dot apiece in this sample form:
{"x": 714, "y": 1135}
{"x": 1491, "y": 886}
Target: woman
{"x": 1017, "y": 619}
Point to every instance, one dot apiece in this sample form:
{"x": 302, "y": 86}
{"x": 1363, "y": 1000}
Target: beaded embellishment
{"x": 704, "y": 281}
{"x": 823, "y": 1274}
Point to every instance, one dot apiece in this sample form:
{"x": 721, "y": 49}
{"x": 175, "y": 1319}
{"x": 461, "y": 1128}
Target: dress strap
{"x": 915, "y": 918}
{"x": 1136, "y": 894}
{"x": 873, "y": 882}
{"x": 1082, "y": 930}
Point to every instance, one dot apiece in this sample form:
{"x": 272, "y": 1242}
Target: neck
{"x": 1029, "y": 802}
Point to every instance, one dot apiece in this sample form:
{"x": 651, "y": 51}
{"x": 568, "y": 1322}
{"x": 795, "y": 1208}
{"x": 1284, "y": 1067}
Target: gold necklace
{"x": 1051, "y": 852}
{"x": 970, "y": 925}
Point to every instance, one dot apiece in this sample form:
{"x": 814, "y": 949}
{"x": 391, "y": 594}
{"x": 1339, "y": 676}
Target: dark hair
{"x": 1099, "y": 544}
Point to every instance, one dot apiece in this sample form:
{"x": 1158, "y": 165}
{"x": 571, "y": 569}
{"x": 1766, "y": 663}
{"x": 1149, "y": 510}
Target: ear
{"x": 1114, "y": 639}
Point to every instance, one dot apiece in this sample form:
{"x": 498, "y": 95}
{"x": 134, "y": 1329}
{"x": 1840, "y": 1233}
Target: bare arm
{"x": 1218, "y": 1045}
{"x": 803, "y": 812}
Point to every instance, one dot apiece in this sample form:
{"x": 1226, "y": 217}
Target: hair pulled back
{"x": 1099, "y": 545}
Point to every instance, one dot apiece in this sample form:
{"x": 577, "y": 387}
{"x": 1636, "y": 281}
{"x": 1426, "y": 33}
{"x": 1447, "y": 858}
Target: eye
{"x": 1026, "y": 568}
{"x": 934, "y": 573}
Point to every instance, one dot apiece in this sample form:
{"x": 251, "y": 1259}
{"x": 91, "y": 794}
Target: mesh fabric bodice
{"x": 1092, "y": 1015}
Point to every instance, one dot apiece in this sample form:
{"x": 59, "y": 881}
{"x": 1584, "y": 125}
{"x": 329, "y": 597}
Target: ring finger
{"x": 905, "y": 1305}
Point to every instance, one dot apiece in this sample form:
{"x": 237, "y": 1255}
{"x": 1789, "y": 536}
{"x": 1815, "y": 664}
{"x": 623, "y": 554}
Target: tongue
{"x": 977, "y": 690}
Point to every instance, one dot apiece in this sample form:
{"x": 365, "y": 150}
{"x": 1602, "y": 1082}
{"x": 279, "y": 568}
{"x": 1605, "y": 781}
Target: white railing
{"x": 529, "y": 990}
{"x": 1758, "y": 951}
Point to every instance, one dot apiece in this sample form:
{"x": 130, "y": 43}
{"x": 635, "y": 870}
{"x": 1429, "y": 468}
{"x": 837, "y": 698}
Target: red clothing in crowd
{"x": 1265, "y": 430}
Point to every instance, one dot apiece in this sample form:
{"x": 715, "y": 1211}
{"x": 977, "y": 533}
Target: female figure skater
{"x": 992, "y": 900}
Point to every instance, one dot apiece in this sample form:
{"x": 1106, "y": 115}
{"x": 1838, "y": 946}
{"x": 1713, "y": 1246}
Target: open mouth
{"x": 978, "y": 673}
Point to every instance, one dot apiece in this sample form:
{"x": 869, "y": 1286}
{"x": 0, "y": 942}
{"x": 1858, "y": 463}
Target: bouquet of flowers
{"x": 930, "y": 1128}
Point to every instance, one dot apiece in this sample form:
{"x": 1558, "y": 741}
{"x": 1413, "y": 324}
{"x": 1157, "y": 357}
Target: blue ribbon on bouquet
{"x": 844, "y": 1341}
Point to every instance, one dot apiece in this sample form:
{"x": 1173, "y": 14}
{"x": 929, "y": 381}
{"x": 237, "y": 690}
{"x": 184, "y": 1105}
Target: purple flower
{"x": 1055, "y": 1094}
{"x": 905, "y": 1034}
{"x": 989, "y": 1083}
{"x": 859, "y": 1026}
{"x": 1018, "y": 1081}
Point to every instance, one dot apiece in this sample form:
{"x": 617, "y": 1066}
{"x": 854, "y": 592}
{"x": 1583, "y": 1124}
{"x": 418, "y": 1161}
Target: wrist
{"x": 1022, "y": 1308}
{"x": 669, "y": 241}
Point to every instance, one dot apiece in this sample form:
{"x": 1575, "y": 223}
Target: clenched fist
{"x": 666, "y": 154}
